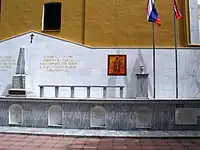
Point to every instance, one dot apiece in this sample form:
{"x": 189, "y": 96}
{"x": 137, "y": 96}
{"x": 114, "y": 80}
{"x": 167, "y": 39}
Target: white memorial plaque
{"x": 143, "y": 118}
{"x": 97, "y": 116}
{"x": 15, "y": 115}
{"x": 185, "y": 116}
{"x": 55, "y": 116}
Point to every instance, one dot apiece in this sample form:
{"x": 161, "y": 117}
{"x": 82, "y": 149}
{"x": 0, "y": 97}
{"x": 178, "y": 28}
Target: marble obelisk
{"x": 20, "y": 81}
{"x": 21, "y": 62}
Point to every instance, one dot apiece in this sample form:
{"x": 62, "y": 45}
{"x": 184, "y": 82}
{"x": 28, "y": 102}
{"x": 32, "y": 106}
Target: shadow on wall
{"x": 112, "y": 81}
{"x": 131, "y": 85}
{"x": 150, "y": 89}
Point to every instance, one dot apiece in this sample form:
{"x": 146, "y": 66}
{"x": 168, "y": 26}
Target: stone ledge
{"x": 98, "y": 100}
{"x": 100, "y": 133}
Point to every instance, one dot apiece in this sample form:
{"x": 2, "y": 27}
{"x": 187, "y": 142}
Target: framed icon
{"x": 117, "y": 65}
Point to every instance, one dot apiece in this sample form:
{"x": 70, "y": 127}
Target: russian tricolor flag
{"x": 152, "y": 15}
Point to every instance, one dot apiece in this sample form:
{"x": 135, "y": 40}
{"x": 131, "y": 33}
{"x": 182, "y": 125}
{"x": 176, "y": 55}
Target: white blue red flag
{"x": 152, "y": 15}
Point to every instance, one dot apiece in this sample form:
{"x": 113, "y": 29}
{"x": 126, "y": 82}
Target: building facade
{"x": 85, "y": 30}
{"x": 114, "y": 23}
{"x": 89, "y": 64}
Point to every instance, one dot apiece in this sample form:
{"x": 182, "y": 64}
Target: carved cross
{"x": 31, "y": 38}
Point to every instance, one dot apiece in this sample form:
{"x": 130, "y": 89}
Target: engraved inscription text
{"x": 58, "y": 63}
{"x": 7, "y": 63}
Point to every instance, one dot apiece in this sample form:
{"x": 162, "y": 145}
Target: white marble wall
{"x": 189, "y": 69}
{"x": 91, "y": 68}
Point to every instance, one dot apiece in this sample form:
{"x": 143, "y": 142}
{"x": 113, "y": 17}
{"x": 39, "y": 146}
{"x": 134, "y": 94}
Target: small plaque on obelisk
{"x": 20, "y": 81}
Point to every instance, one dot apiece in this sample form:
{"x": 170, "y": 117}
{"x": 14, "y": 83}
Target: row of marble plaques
{"x": 143, "y": 116}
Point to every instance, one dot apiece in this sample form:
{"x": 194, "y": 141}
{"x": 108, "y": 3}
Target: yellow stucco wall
{"x": 108, "y": 23}
{"x": 20, "y": 16}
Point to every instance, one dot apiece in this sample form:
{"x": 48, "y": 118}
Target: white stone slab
{"x": 97, "y": 118}
{"x": 185, "y": 116}
{"x": 15, "y": 114}
{"x": 55, "y": 116}
{"x": 143, "y": 118}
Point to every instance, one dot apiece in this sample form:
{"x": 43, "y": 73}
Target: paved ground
{"x": 33, "y": 142}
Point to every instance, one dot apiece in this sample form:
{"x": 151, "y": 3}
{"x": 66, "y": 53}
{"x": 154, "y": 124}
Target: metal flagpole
{"x": 175, "y": 53}
{"x": 154, "y": 62}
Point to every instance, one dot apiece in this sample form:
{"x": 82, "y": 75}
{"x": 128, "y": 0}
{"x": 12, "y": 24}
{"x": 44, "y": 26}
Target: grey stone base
{"x": 119, "y": 114}
{"x": 20, "y": 81}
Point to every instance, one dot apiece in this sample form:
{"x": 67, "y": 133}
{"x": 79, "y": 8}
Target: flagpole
{"x": 175, "y": 53}
{"x": 154, "y": 62}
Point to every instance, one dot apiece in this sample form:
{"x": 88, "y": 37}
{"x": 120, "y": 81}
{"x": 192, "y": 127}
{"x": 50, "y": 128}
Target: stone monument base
{"x": 21, "y": 81}
{"x": 21, "y": 93}
{"x": 141, "y": 115}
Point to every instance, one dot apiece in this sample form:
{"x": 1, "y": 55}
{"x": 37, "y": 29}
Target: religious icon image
{"x": 117, "y": 65}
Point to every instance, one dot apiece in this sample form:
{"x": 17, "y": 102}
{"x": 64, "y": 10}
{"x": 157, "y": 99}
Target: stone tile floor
{"x": 34, "y": 142}
{"x": 22, "y": 138}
